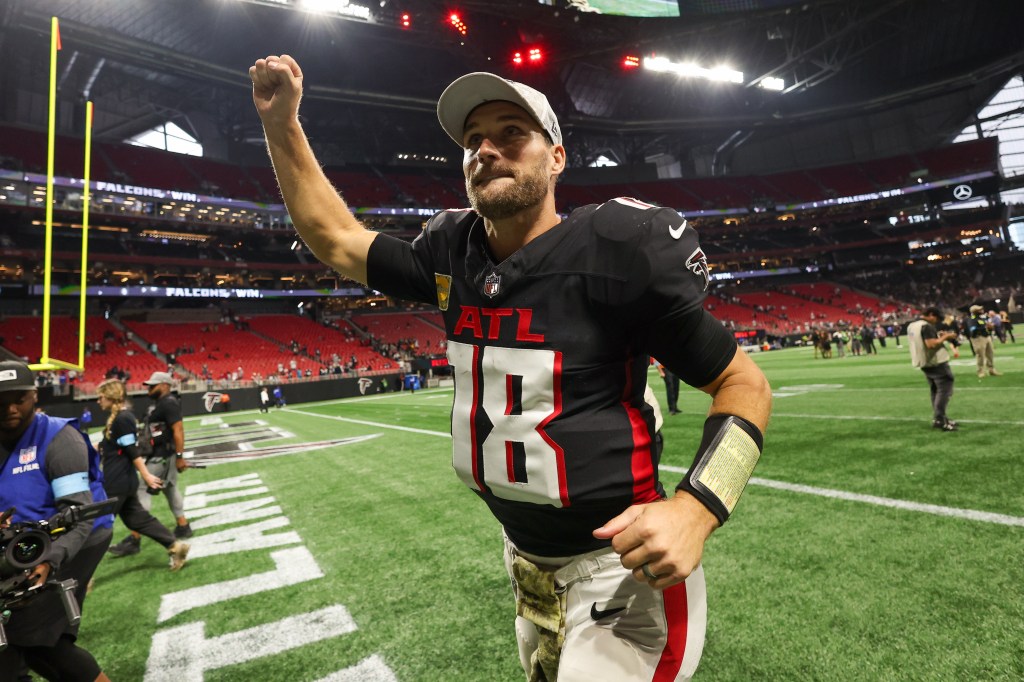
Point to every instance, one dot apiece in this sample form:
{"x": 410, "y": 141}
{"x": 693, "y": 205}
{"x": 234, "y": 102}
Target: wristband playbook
{"x": 725, "y": 461}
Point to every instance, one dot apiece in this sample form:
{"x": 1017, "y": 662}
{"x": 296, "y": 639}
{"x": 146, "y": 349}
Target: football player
{"x": 550, "y": 325}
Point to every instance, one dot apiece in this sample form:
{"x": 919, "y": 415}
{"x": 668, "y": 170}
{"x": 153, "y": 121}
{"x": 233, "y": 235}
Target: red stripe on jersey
{"x": 509, "y": 398}
{"x": 642, "y": 464}
{"x": 676, "y": 621}
{"x": 508, "y": 462}
{"x": 474, "y": 445}
{"x": 556, "y": 387}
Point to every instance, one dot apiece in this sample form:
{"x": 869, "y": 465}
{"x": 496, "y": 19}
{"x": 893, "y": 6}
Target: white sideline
{"x": 969, "y": 514}
{"x": 881, "y": 418}
{"x": 376, "y": 425}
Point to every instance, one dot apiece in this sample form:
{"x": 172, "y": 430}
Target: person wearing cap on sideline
{"x": 981, "y": 341}
{"x": 165, "y": 462}
{"x": 550, "y": 325}
{"x": 121, "y": 459}
{"x": 928, "y": 353}
{"x": 48, "y": 465}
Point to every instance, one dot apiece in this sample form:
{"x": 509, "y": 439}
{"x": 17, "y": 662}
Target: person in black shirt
{"x": 166, "y": 460}
{"x": 551, "y": 323}
{"x": 121, "y": 461}
{"x": 671, "y": 387}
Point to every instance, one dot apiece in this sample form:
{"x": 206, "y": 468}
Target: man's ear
{"x": 557, "y": 159}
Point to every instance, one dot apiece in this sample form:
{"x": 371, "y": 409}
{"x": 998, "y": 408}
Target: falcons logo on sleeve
{"x": 697, "y": 263}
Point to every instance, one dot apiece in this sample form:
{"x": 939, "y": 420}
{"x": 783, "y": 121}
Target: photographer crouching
{"x": 48, "y": 467}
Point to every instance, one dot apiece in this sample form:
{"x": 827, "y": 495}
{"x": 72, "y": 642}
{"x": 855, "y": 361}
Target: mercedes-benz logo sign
{"x": 962, "y": 192}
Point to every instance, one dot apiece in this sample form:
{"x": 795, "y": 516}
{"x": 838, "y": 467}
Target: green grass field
{"x": 824, "y": 582}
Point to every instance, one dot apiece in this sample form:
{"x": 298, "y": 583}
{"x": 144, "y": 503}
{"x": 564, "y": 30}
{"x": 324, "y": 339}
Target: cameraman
{"x": 48, "y": 466}
{"x": 928, "y": 353}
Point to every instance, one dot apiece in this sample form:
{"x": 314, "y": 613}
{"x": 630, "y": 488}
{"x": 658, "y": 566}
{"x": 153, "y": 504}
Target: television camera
{"x": 26, "y": 544}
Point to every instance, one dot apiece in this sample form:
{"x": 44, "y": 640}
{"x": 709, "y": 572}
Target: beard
{"x": 528, "y": 190}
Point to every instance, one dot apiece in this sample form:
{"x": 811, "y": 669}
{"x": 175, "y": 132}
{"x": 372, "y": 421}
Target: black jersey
{"x": 162, "y": 417}
{"x": 550, "y": 354}
{"x": 118, "y": 452}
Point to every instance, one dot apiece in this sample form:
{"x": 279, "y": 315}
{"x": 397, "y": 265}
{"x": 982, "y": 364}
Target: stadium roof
{"x": 863, "y": 78}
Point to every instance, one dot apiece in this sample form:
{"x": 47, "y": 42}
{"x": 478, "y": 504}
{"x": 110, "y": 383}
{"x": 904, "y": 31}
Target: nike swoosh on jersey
{"x": 678, "y": 231}
{"x": 598, "y": 615}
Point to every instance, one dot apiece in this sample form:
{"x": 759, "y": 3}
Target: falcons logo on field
{"x": 211, "y": 400}
{"x": 697, "y": 263}
{"x": 364, "y": 384}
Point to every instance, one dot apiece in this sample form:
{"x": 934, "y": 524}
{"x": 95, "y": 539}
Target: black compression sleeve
{"x": 694, "y": 345}
{"x": 392, "y": 267}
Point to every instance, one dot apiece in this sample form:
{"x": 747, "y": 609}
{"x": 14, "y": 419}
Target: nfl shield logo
{"x": 492, "y": 284}
{"x": 27, "y": 456}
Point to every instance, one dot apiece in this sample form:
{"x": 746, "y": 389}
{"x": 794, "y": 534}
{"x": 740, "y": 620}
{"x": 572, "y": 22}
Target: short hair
{"x": 932, "y": 311}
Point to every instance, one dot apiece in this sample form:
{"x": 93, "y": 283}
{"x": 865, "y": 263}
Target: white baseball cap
{"x": 470, "y": 91}
{"x": 158, "y": 378}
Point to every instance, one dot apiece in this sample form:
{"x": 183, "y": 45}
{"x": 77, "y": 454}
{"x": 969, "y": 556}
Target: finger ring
{"x": 647, "y": 571}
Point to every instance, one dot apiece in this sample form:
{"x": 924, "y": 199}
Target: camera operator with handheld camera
{"x": 48, "y": 466}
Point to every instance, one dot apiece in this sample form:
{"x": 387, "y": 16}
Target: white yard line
{"x": 969, "y": 514}
{"x": 881, "y": 418}
{"x": 376, "y": 425}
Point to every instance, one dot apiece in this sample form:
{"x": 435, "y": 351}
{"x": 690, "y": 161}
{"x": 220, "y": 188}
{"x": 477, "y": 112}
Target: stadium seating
{"x": 405, "y": 330}
{"x": 221, "y": 348}
{"x": 738, "y": 316}
{"x": 368, "y": 187}
{"x": 286, "y": 329}
{"x": 23, "y": 336}
{"x": 151, "y": 167}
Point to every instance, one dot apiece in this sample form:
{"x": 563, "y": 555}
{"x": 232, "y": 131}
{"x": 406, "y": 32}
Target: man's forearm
{"x": 751, "y": 401}
{"x": 319, "y": 214}
{"x": 742, "y": 390}
{"x": 66, "y": 546}
{"x": 179, "y": 437}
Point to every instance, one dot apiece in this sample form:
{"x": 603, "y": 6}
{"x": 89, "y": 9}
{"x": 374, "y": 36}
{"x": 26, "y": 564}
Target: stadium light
{"x": 770, "y": 83}
{"x": 691, "y": 70}
{"x": 534, "y": 56}
{"x": 456, "y": 22}
{"x": 344, "y": 8}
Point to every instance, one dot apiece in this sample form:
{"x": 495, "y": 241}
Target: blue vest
{"x": 23, "y": 481}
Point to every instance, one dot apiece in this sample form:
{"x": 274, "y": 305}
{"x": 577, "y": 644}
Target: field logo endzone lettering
{"x": 183, "y": 653}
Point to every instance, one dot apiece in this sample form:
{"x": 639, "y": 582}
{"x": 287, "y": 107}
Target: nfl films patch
{"x": 444, "y": 289}
{"x": 492, "y": 284}
{"x": 27, "y": 455}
